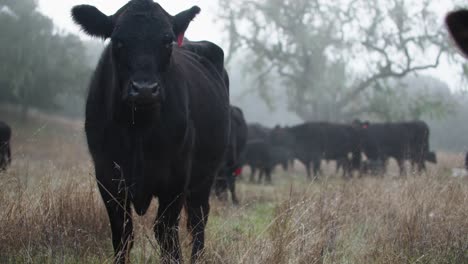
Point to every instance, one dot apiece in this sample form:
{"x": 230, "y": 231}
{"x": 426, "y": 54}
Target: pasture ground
{"x": 51, "y": 212}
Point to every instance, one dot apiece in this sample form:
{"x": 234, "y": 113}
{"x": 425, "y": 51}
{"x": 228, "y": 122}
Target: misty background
{"x": 289, "y": 61}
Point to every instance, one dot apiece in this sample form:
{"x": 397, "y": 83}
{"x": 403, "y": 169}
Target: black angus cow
{"x": 273, "y": 154}
{"x": 257, "y": 131}
{"x": 5, "y": 150}
{"x": 313, "y": 141}
{"x": 157, "y": 122}
{"x": 401, "y": 141}
{"x": 258, "y": 156}
{"x": 342, "y": 145}
{"x": 226, "y": 179}
{"x": 381, "y": 141}
{"x": 466, "y": 161}
{"x": 419, "y": 153}
{"x": 457, "y": 24}
{"x": 262, "y": 157}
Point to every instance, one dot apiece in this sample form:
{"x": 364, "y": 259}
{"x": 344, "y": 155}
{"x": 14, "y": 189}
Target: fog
{"x": 284, "y": 71}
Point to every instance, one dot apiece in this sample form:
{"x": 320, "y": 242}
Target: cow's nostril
{"x": 134, "y": 89}
{"x": 154, "y": 87}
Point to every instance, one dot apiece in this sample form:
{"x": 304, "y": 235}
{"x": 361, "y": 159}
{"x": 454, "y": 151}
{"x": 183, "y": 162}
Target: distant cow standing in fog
{"x": 313, "y": 141}
{"x": 232, "y": 167}
{"x": 457, "y": 23}
{"x": 257, "y": 131}
{"x": 257, "y": 155}
{"x": 157, "y": 122}
{"x": 466, "y": 161}
{"x": 419, "y": 153}
{"x": 5, "y": 150}
{"x": 401, "y": 141}
{"x": 262, "y": 155}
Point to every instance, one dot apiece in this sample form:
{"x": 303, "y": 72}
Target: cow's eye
{"x": 167, "y": 40}
{"x": 119, "y": 45}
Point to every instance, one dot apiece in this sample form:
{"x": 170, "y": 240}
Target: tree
{"x": 329, "y": 54}
{"x": 37, "y": 62}
{"x": 410, "y": 98}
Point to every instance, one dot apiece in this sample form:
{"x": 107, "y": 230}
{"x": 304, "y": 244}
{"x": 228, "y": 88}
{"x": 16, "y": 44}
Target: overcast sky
{"x": 203, "y": 27}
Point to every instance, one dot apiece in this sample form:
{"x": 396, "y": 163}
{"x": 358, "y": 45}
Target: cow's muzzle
{"x": 144, "y": 92}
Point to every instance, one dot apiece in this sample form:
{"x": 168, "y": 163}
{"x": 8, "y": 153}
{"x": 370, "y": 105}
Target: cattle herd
{"x": 159, "y": 125}
{"x": 361, "y": 147}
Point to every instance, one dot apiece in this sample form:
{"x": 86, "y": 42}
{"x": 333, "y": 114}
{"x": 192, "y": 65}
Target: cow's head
{"x": 141, "y": 37}
{"x": 457, "y": 24}
{"x": 358, "y": 124}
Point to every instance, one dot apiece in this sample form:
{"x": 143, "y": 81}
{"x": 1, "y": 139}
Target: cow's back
{"x": 382, "y": 140}
{"x": 238, "y": 137}
{"x": 340, "y": 139}
{"x": 256, "y": 131}
{"x": 208, "y": 103}
{"x": 309, "y": 137}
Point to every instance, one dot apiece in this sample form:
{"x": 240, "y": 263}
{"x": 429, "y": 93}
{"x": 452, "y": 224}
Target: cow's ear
{"x": 457, "y": 24}
{"x": 93, "y": 21}
{"x": 181, "y": 22}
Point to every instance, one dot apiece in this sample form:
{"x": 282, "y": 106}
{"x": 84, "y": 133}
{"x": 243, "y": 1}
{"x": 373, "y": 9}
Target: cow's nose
{"x": 144, "y": 88}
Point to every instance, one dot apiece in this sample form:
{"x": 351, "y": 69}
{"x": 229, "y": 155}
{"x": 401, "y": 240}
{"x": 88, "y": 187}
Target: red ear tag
{"x": 238, "y": 171}
{"x": 180, "y": 39}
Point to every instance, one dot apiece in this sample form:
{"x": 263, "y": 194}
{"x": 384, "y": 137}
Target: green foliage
{"x": 38, "y": 64}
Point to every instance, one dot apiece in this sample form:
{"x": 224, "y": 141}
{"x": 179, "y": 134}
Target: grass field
{"x": 51, "y": 212}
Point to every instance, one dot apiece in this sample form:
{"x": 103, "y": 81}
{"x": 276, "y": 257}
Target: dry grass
{"x": 50, "y": 211}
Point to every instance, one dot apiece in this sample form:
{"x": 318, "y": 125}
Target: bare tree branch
{"x": 303, "y": 41}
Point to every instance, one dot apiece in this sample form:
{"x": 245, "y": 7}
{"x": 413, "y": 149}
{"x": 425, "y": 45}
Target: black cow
{"x": 257, "y": 131}
{"x": 226, "y": 179}
{"x": 5, "y": 151}
{"x": 457, "y": 24}
{"x": 273, "y": 154}
{"x": 401, "y": 141}
{"x": 157, "y": 122}
{"x": 313, "y": 141}
{"x": 419, "y": 153}
{"x": 261, "y": 156}
{"x": 380, "y": 141}
{"x": 466, "y": 161}
{"x": 258, "y": 156}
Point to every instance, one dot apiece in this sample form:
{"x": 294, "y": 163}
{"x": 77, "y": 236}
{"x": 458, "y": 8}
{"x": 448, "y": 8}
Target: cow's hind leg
{"x": 231, "y": 183}
{"x": 421, "y": 166}
{"x": 268, "y": 171}
{"x": 166, "y": 227}
{"x": 306, "y": 164}
{"x": 316, "y": 167}
{"x": 401, "y": 166}
{"x": 253, "y": 170}
{"x": 261, "y": 172}
{"x": 220, "y": 186}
